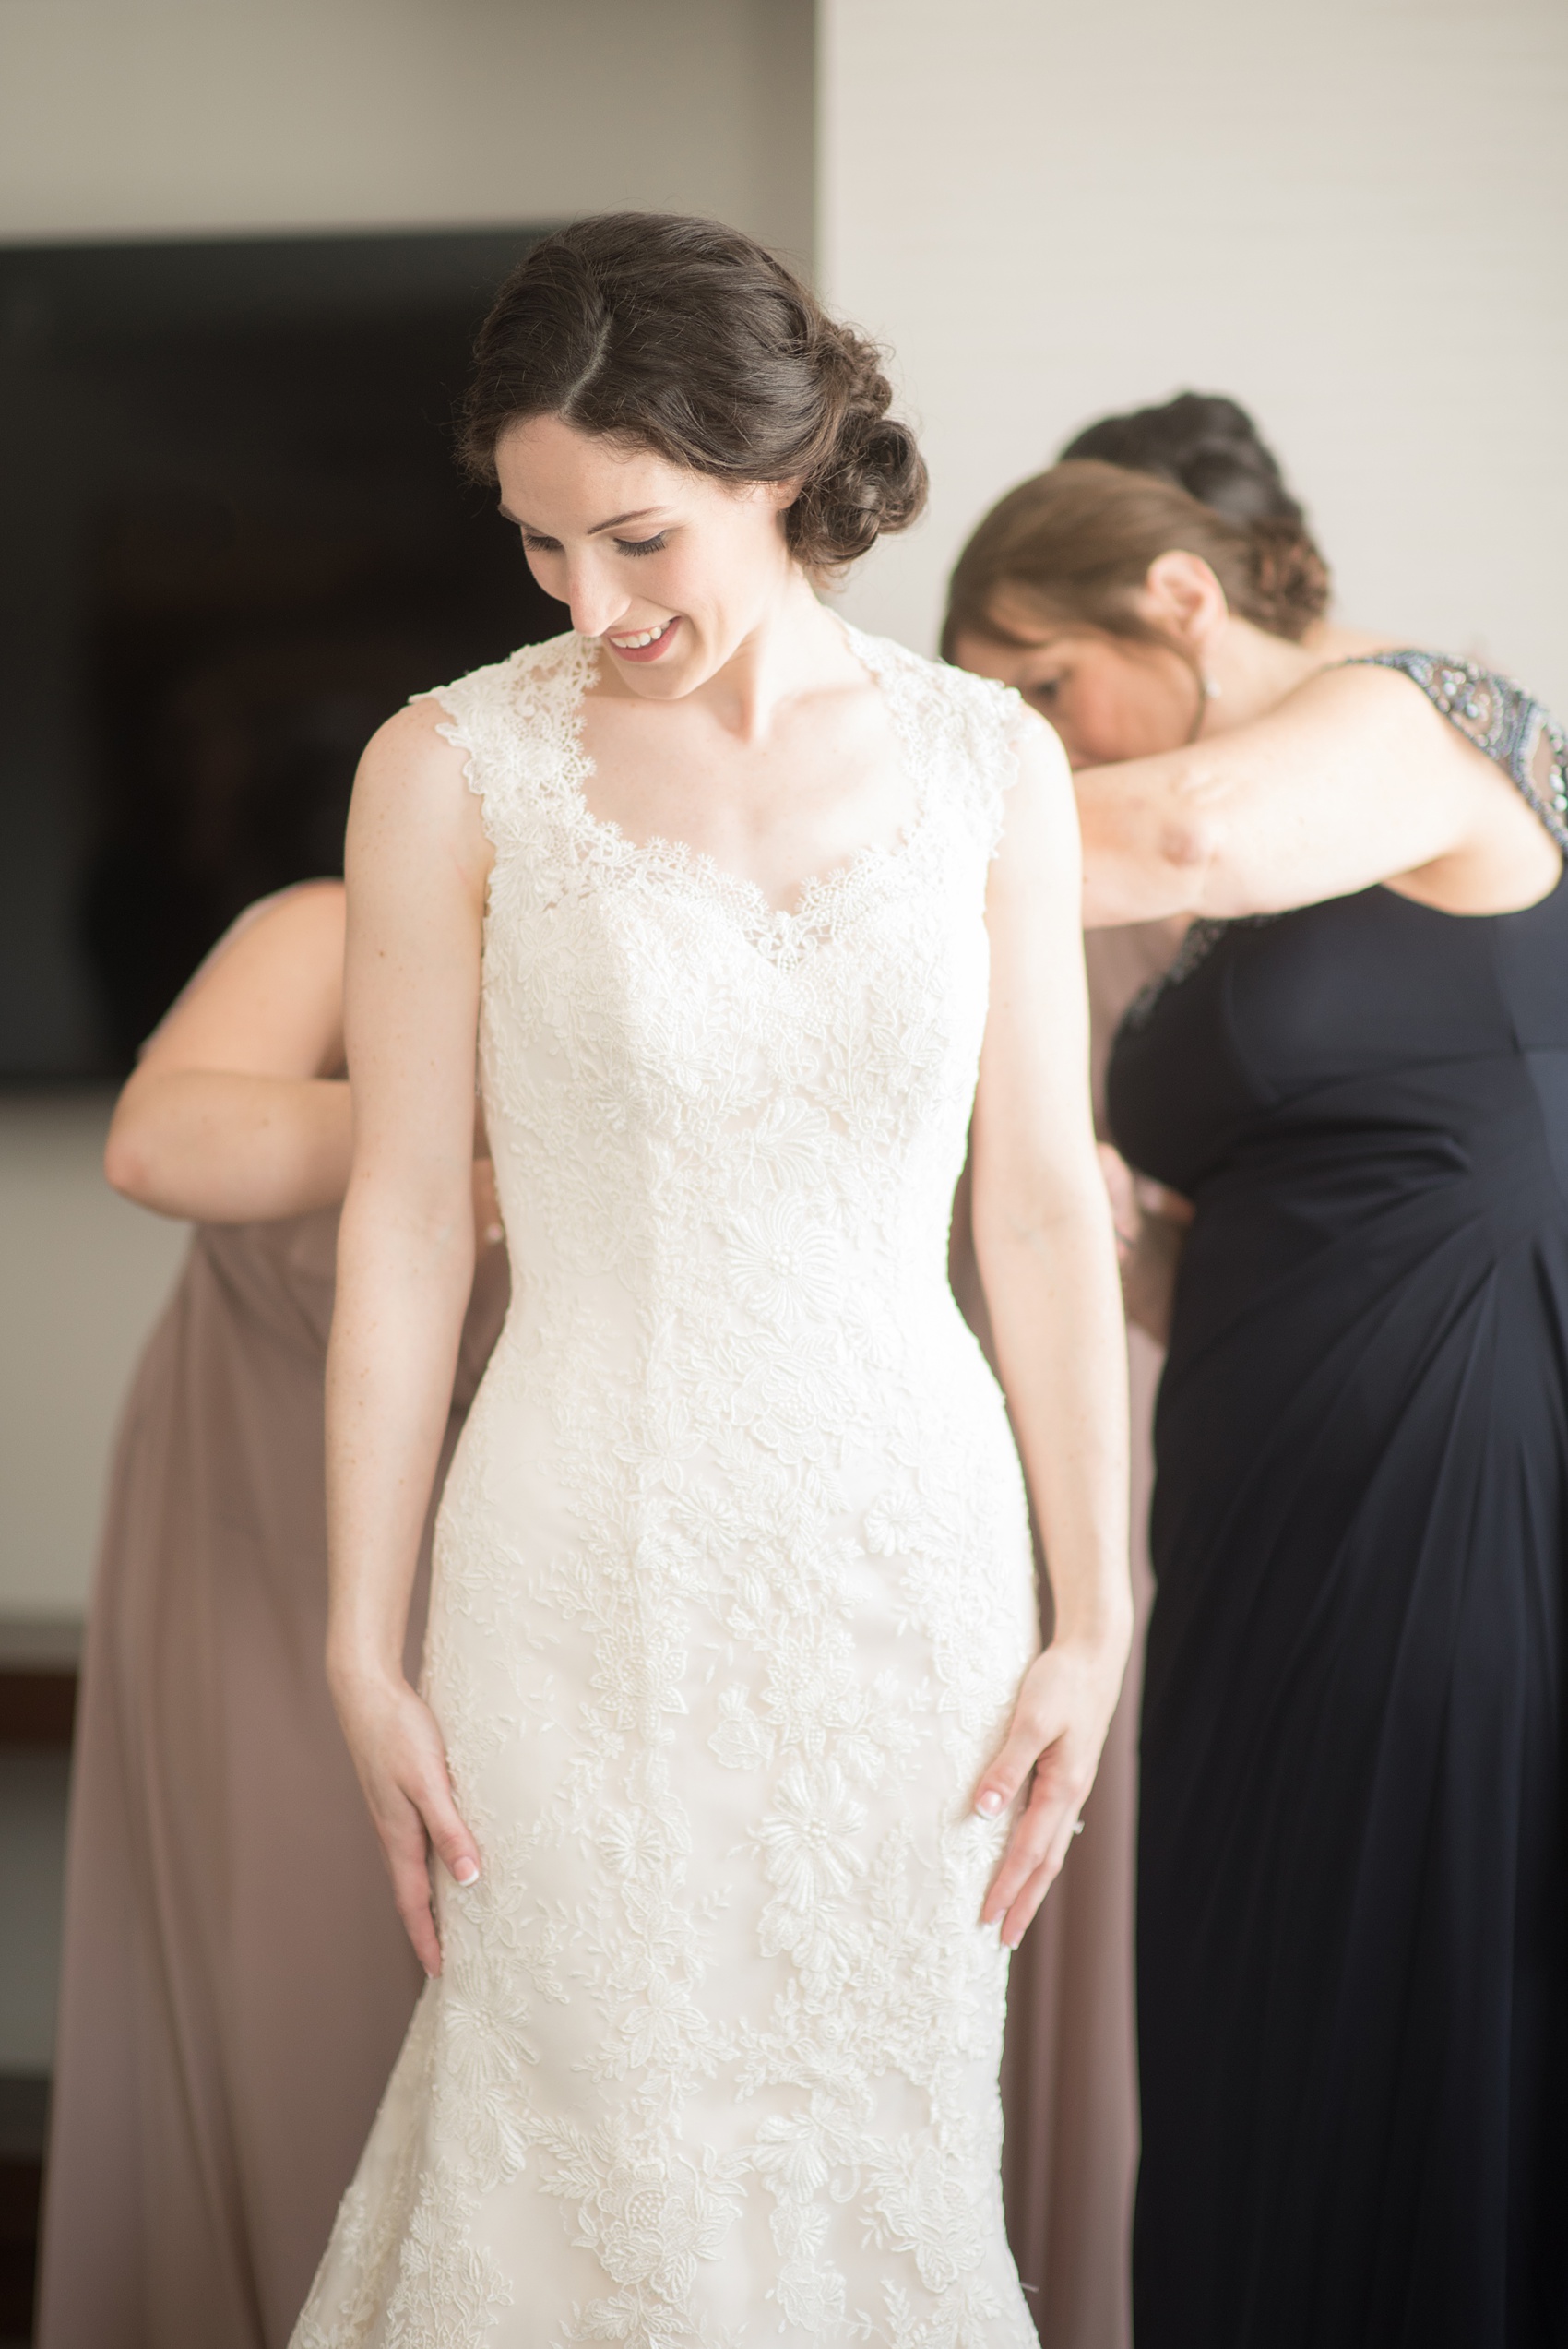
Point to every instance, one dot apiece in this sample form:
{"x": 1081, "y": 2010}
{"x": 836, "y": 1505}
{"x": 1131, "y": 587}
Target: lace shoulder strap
{"x": 1500, "y": 719}
{"x": 520, "y": 724}
{"x": 961, "y": 732}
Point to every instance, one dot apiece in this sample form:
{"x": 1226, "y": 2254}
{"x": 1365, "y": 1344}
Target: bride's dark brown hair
{"x": 1076, "y": 544}
{"x": 690, "y": 338}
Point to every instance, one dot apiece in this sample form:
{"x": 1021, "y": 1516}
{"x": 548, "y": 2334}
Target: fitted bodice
{"x": 704, "y": 1111}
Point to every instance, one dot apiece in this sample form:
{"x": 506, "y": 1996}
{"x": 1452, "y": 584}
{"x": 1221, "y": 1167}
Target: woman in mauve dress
{"x": 236, "y": 1982}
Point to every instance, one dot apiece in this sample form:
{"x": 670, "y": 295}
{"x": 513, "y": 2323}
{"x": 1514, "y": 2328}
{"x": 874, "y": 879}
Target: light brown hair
{"x": 1076, "y": 545}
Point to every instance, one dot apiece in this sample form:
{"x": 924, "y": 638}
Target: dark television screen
{"x": 233, "y": 539}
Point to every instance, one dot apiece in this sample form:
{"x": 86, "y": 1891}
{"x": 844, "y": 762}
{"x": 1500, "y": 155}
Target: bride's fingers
{"x": 404, "y": 1842}
{"x": 1026, "y": 1902}
{"x": 450, "y": 1840}
{"x": 424, "y": 1818}
{"x": 1028, "y": 1735}
{"x": 1041, "y": 1835}
{"x": 1026, "y": 1907}
{"x": 1027, "y": 1854}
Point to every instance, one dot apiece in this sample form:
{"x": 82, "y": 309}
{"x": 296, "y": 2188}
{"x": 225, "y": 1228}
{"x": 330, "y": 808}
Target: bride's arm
{"x": 417, "y": 867}
{"x": 1047, "y": 1256}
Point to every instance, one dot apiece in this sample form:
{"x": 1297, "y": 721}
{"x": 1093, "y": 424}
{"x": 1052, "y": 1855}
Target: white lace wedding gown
{"x": 734, "y": 1594}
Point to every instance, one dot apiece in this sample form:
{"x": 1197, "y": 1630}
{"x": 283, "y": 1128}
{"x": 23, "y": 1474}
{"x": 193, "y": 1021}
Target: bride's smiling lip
{"x": 633, "y": 644}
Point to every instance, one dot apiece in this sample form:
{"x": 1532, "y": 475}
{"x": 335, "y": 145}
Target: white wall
{"x": 152, "y": 117}
{"x": 1353, "y": 216}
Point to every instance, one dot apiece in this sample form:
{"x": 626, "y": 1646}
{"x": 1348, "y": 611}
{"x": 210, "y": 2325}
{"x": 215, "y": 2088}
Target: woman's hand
{"x": 1121, "y": 1188}
{"x": 398, "y": 1751}
{"x": 1151, "y": 1230}
{"x": 1059, "y": 1727}
{"x": 489, "y": 1230}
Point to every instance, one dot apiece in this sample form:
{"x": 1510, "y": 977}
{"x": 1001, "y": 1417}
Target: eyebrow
{"x": 614, "y": 522}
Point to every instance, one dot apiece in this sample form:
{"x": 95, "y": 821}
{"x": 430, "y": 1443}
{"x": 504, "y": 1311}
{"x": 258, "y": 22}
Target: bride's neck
{"x": 794, "y": 646}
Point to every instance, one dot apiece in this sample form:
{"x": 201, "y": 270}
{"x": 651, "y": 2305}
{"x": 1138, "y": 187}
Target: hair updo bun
{"x": 1204, "y": 442}
{"x": 1207, "y": 445}
{"x": 688, "y": 338}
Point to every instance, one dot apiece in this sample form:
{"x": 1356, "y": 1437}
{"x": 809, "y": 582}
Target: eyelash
{"x": 654, "y": 545}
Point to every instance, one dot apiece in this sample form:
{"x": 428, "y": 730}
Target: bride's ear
{"x": 777, "y": 496}
{"x": 1188, "y": 601}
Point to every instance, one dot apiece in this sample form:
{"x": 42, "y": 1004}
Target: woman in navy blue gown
{"x": 1352, "y": 1924}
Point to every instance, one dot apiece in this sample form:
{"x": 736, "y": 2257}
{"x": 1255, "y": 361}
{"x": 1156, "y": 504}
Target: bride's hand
{"x": 1059, "y": 1726}
{"x": 398, "y": 1751}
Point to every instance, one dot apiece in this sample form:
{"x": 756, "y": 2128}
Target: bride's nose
{"x": 595, "y": 600}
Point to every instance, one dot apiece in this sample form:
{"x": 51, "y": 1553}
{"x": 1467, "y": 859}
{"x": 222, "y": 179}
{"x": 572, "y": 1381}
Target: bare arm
{"x": 1354, "y": 779}
{"x": 237, "y": 1111}
{"x": 1046, "y": 1250}
{"x": 417, "y": 866}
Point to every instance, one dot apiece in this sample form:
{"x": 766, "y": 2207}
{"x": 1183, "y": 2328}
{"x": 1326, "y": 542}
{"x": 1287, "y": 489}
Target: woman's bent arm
{"x": 1047, "y": 1254}
{"x": 237, "y": 1111}
{"x": 1354, "y": 779}
{"x": 417, "y": 866}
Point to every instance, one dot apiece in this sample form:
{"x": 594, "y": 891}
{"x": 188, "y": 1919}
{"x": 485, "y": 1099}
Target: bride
{"x": 739, "y": 1778}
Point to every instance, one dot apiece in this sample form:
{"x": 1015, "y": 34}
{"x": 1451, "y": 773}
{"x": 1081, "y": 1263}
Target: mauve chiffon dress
{"x": 236, "y": 1983}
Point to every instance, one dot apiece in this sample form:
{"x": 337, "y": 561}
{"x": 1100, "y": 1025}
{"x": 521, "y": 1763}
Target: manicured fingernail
{"x": 989, "y": 1804}
{"x": 466, "y": 1873}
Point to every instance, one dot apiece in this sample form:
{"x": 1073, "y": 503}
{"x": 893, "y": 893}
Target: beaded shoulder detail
{"x": 1509, "y": 724}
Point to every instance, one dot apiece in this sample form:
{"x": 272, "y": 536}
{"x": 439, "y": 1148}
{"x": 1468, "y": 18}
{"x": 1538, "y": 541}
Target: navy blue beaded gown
{"x": 1352, "y": 1924}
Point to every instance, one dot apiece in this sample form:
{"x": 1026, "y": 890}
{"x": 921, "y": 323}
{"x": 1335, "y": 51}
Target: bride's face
{"x": 1109, "y": 697}
{"x": 670, "y": 569}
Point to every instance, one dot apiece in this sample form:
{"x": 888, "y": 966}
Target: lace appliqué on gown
{"x": 733, "y": 1592}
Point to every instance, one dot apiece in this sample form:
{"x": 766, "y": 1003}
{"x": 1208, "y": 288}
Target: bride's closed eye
{"x": 537, "y": 544}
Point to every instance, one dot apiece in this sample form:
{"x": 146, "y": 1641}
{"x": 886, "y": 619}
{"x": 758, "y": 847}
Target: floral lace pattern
{"x": 734, "y": 1591}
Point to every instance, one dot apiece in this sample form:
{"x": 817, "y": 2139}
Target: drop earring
{"x": 1209, "y": 690}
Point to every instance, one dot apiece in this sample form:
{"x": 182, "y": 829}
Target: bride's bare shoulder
{"x": 411, "y": 762}
{"x": 414, "y": 796}
{"x": 415, "y": 741}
